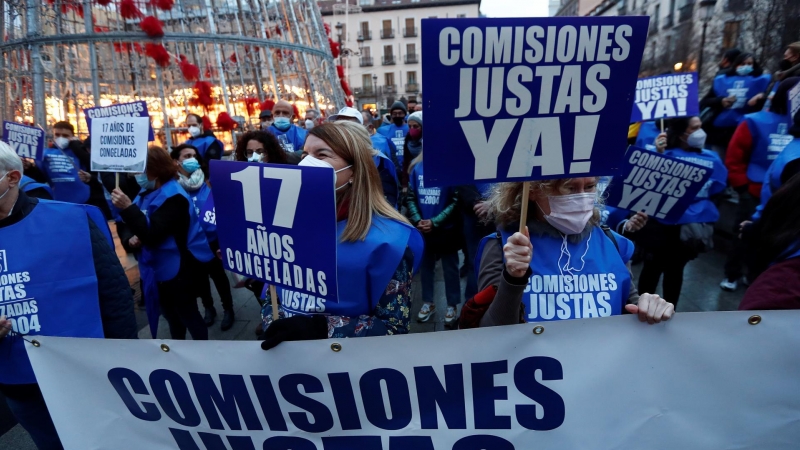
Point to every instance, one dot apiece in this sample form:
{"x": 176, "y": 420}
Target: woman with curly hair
{"x": 259, "y": 146}
{"x": 563, "y": 265}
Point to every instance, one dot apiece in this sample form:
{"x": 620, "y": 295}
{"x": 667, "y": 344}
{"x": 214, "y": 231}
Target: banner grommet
{"x": 337, "y": 347}
{"x": 538, "y": 329}
{"x": 35, "y": 343}
{"x": 165, "y": 348}
{"x": 754, "y": 320}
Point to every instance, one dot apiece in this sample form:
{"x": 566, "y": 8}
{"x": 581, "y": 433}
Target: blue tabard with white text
{"x": 398, "y": 137}
{"x": 772, "y": 179}
{"x": 61, "y": 168}
{"x": 200, "y": 199}
{"x": 201, "y": 143}
{"x": 741, "y": 87}
{"x": 770, "y": 134}
{"x": 382, "y": 144}
{"x": 161, "y": 262}
{"x": 592, "y": 281}
{"x": 292, "y": 139}
{"x": 50, "y": 292}
{"x": 702, "y": 209}
{"x": 363, "y": 268}
{"x": 430, "y": 200}
{"x": 646, "y": 139}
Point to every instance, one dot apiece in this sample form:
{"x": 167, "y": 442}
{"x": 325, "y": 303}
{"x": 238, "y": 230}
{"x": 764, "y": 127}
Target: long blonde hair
{"x": 352, "y": 143}
{"x": 506, "y": 199}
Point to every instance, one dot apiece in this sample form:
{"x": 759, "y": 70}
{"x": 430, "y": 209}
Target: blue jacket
{"x": 743, "y": 88}
{"x": 202, "y": 143}
{"x": 291, "y": 140}
{"x": 646, "y": 138}
{"x": 772, "y": 179}
{"x": 769, "y": 132}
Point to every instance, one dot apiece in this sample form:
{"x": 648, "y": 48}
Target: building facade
{"x": 381, "y": 44}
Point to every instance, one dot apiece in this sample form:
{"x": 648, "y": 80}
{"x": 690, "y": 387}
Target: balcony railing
{"x": 653, "y": 29}
{"x": 365, "y": 35}
{"x": 387, "y": 33}
{"x": 685, "y": 12}
{"x": 365, "y": 61}
{"x": 389, "y": 89}
{"x": 388, "y": 60}
{"x": 358, "y": 91}
{"x": 738, "y": 5}
{"x": 412, "y": 87}
{"x": 410, "y": 32}
{"x": 412, "y": 58}
{"x": 368, "y": 90}
{"x": 668, "y": 22}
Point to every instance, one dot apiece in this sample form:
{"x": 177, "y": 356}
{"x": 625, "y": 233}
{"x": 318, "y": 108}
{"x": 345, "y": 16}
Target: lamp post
{"x": 375, "y": 89}
{"x": 706, "y": 13}
{"x": 339, "y": 27}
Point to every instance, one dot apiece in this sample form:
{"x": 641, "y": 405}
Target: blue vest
{"x": 201, "y": 143}
{"x": 383, "y": 163}
{"x": 598, "y": 285}
{"x": 772, "y": 179}
{"x": 702, "y": 209}
{"x": 431, "y": 201}
{"x": 28, "y": 184}
{"x": 61, "y": 168}
{"x": 382, "y": 144}
{"x": 744, "y": 88}
{"x": 49, "y": 289}
{"x": 292, "y": 139}
{"x": 363, "y": 270}
{"x": 770, "y": 133}
{"x": 648, "y": 131}
{"x": 162, "y": 262}
{"x": 200, "y": 198}
{"x": 398, "y": 137}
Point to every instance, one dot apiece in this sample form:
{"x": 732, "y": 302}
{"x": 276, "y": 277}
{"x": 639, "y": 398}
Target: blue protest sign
{"x": 665, "y": 96}
{"x": 525, "y": 99}
{"x": 27, "y": 141}
{"x": 133, "y": 109}
{"x": 794, "y": 100}
{"x": 661, "y": 186}
{"x": 277, "y": 223}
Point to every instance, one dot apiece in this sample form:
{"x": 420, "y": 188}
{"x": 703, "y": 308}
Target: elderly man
{"x": 70, "y": 283}
{"x": 290, "y": 136}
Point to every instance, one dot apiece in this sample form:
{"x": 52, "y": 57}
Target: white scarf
{"x": 193, "y": 182}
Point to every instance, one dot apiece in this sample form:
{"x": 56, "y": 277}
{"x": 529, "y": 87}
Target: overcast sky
{"x": 514, "y": 8}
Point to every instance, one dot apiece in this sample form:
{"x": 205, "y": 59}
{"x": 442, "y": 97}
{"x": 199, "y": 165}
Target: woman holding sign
{"x": 377, "y": 248}
{"x": 673, "y": 246}
{"x": 562, "y": 266}
{"x": 161, "y": 222}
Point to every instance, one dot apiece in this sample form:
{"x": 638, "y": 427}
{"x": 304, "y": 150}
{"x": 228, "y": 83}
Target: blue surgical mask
{"x": 144, "y": 183}
{"x": 744, "y": 70}
{"x": 282, "y": 123}
{"x": 190, "y": 165}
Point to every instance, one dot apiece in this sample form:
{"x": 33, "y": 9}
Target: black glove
{"x": 295, "y": 328}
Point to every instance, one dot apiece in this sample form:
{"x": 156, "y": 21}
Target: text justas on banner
{"x": 665, "y": 96}
{"x": 133, "y": 109}
{"x": 119, "y": 144}
{"x": 661, "y": 186}
{"x": 27, "y": 141}
{"x": 277, "y": 223}
{"x": 524, "y": 99}
{"x": 578, "y": 384}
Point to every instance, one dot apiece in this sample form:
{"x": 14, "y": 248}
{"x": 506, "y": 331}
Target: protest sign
{"x": 133, "y": 109}
{"x": 277, "y": 223}
{"x": 27, "y": 142}
{"x": 659, "y": 185}
{"x": 581, "y": 384}
{"x": 119, "y": 144}
{"x": 524, "y": 99}
{"x": 665, "y": 96}
{"x": 794, "y": 100}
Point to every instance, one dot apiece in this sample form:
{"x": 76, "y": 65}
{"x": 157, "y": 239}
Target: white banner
{"x": 700, "y": 381}
{"x": 119, "y": 144}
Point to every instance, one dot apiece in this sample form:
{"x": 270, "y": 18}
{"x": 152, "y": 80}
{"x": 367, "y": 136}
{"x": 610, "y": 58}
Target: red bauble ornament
{"x": 189, "y": 71}
{"x": 203, "y": 93}
{"x": 225, "y": 122}
{"x": 250, "y": 103}
{"x": 159, "y": 54}
{"x": 267, "y": 105}
{"x": 206, "y": 123}
{"x": 128, "y": 10}
{"x": 164, "y": 5}
{"x": 152, "y": 27}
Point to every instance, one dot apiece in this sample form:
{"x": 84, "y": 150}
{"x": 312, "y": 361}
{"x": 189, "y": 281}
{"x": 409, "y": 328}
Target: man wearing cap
{"x": 396, "y": 130}
{"x": 386, "y": 168}
{"x": 289, "y": 135}
{"x": 266, "y": 120}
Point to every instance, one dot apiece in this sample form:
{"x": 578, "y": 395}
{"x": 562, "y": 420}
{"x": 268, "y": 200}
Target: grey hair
{"x": 316, "y": 113}
{"x": 9, "y": 160}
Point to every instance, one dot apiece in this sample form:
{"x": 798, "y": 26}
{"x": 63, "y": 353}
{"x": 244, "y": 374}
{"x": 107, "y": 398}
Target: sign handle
{"x": 116, "y": 179}
{"x": 273, "y": 295}
{"x": 523, "y": 214}
{"x": 662, "y": 125}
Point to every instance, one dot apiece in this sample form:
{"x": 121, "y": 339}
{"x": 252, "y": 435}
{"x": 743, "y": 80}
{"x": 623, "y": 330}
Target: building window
{"x": 730, "y": 34}
{"x": 364, "y": 32}
{"x": 412, "y": 77}
{"x": 386, "y": 30}
{"x": 410, "y": 29}
{"x": 365, "y": 2}
{"x": 388, "y": 55}
{"x": 388, "y": 79}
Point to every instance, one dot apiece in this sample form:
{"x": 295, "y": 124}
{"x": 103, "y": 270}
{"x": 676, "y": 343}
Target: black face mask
{"x": 398, "y": 120}
{"x": 785, "y": 65}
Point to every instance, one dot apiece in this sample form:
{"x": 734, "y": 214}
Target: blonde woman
{"x": 377, "y": 248}
{"x": 564, "y": 266}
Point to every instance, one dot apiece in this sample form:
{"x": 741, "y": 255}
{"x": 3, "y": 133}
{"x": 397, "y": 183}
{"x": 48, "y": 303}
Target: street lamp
{"x": 678, "y": 66}
{"x": 706, "y": 13}
{"x": 375, "y": 89}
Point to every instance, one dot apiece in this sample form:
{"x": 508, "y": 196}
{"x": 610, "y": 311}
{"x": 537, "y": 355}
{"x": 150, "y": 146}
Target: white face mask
{"x": 61, "y": 142}
{"x": 266, "y": 123}
{"x": 569, "y": 214}
{"x": 310, "y": 161}
{"x": 309, "y": 124}
{"x": 255, "y": 157}
{"x": 194, "y": 130}
{"x": 697, "y": 139}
